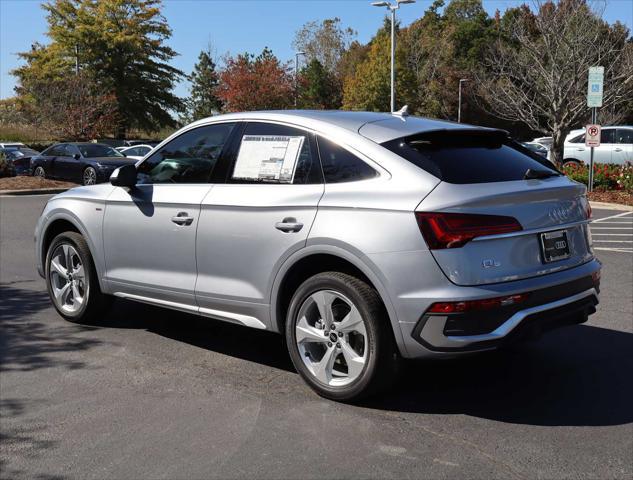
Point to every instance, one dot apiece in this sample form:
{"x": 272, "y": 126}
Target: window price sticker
{"x": 268, "y": 158}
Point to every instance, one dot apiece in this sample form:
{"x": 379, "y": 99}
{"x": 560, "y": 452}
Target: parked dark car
{"x": 85, "y": 163}
{"x": 19, "y": 159}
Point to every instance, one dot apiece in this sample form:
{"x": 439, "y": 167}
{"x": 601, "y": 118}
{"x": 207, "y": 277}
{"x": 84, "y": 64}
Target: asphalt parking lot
{"x": 159, "y": 394}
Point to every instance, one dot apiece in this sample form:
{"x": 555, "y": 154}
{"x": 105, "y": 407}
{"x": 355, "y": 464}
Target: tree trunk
{"x": 558, "y": 146}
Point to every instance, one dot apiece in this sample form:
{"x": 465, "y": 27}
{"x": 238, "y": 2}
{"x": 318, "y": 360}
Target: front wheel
{"x": 89, "y": 176}
{"x": 339, "y": 337}
{"x": 39, "y": 172}
{"x": 71, "y": 279}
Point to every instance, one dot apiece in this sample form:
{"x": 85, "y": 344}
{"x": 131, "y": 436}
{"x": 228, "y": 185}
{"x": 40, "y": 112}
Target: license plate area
{"x": 554, "y": 246}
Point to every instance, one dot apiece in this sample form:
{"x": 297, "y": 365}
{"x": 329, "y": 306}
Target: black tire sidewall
{"x": 349, "y": 287}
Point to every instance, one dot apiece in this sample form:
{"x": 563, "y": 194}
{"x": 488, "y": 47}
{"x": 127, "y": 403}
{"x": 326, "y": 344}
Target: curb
{"x": 611, "y": 206}
{"x": 36, "y": 191}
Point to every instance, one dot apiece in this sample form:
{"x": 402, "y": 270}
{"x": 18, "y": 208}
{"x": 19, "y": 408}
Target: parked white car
{"x": 135, "y": 152}
{"x": 616, "y": 146}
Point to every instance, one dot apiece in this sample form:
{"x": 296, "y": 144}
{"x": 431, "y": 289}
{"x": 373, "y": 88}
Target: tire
{"x": 39, "y": 172}
{"x": 89, "y": 176}
{"x": 373, "y": 359}
{"x": 570, "y": 164}
{"x": 88, "y": 303}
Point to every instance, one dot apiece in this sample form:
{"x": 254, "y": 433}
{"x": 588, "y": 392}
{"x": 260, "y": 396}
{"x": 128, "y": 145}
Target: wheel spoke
{"x": 355, "y": 362}
{"x": 323, "y": 300}
{"x": 58, "y": 267}
{"x": 79, "y": 272}
{"x": 308, "y": 333}
{"x": 60, "y": 293}
{"x": 353, "y": 322}
{"x": 77, "y": 298}
{"x": 323, "y": 369}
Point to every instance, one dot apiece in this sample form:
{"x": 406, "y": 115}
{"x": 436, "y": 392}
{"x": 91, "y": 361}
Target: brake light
{"x": 588, "y": 210}
{"x": 453, "y": 230}
{"x": 471, "y": 305}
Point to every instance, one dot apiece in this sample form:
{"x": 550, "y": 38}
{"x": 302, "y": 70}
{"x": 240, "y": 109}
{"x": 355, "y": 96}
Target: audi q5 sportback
{"x": 362, "y": 237}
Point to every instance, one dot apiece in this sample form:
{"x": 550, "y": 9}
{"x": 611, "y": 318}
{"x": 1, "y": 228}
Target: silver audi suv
{"x": 363, "y": 238}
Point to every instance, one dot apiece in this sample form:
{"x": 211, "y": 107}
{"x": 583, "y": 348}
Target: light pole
{"x": 459, "y": 105}
{"x": 297, "y": 75}
{"x": 392, "y": 7}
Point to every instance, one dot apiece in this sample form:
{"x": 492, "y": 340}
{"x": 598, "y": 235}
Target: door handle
{"x": 289, "y": 225}
{"x": 617, "y": 150}
{"x": 182, "y": 218}
{"x": 580, "y": 149}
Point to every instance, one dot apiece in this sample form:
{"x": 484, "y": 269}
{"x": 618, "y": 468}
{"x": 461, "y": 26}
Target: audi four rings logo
{"x": 560, "y": 214}
{"x": 560, "y": 244}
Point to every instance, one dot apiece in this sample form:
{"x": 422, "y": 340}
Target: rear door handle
{"x": 580, "y": 149}
{"x": 182, "y": 218}
{"x": 618, "y": 150}
{"x": 289, "y": 225}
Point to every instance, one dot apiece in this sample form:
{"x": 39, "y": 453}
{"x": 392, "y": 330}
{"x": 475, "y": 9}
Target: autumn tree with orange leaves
{"x": 255, "y": 83}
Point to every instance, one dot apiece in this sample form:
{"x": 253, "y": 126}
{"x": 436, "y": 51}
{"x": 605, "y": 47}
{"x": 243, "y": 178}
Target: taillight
{"x": 471, "y": 305}
{"x": 453, "y": 230}
{"x": 588, "y": 210}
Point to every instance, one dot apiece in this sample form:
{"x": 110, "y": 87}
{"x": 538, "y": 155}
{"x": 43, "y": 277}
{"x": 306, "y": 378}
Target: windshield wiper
{"x": 532, "y": 174}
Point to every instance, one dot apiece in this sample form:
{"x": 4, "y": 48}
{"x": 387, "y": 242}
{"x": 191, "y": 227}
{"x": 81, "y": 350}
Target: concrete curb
{"x": 36, "y": 191}
{"x": 611, "y": 206}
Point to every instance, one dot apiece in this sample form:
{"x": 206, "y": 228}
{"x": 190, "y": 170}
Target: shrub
{"x": 605, "y": 176}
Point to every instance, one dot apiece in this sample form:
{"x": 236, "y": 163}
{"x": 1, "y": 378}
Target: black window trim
{"x": 223, "y": 152}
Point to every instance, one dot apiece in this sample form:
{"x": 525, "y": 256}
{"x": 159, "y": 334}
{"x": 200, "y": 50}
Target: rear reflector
{"x": 471, "y": 305}
{"x": 453, "y": 230}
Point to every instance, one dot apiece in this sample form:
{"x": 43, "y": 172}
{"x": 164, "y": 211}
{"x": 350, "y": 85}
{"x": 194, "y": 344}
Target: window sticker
{"x": 268, "y": 158}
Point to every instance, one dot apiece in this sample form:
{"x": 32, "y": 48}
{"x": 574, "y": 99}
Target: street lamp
{"x": 459, "y": 105}
{"x": 392, "y": 7}
{"x": 297, "y": 74}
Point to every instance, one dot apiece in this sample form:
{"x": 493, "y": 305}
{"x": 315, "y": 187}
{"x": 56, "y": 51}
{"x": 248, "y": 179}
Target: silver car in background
{"x": 364, "y": 238}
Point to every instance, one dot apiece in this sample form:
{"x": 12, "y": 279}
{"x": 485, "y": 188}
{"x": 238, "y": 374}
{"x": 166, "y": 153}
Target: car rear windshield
{"x": 469, "y": 156}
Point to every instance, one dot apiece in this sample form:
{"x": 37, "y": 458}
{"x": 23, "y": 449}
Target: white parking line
{"x": 611, "y": 228}
{"x": 621, "y": 250}
{"x": 600, "y": 220}
{"x": 613, "y": 241}
{"x": 612, "y": 234}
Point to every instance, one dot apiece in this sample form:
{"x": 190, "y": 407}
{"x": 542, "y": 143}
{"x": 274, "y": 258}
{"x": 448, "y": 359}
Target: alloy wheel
{"x": 90, "y": 176}
{"x": 331, "y": 337}
{"x": 67, "y": 278}
{"x": 39, "y": 172}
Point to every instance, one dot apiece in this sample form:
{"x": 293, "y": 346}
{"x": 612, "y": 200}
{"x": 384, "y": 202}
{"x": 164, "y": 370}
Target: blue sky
{"x": 236, "y": 26}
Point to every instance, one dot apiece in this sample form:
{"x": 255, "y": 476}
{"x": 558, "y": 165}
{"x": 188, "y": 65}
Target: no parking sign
{"x": 592, "y": 136}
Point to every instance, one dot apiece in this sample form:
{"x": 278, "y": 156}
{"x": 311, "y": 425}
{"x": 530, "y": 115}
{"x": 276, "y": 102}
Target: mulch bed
{"x": 32, "y": 183}
{"x": 612, "y": 196}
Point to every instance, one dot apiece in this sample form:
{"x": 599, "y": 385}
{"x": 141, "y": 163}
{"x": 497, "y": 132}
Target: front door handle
{"x": 289, "y": 225}
{"x": 182, "y": 218}
{"x": 618, "y": 150}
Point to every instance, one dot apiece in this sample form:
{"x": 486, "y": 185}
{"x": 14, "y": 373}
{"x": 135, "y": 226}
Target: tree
{"x": 119, "y": 43}
{"x": 318, "y": 88}
{"x": 255, "y": 83}
{"x": 204, "y": 101}
{"x": 325, "y": 41}
{"x": 72, "y": 108}
{"x": 536, "y": 71}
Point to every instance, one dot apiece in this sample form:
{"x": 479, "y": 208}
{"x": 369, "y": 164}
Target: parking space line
{"x": 620, "y": 250}
{"x": 613, "y": 241}
{"x": 619, "y": 215}
{"x": 612, "y": 228}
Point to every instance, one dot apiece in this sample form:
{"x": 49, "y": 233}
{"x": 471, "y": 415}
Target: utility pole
{"x": 459, "y": 106}
{"x": 76, "y": 59}
{"x": 392, "y": 7}
{"x": 297, "y": 75}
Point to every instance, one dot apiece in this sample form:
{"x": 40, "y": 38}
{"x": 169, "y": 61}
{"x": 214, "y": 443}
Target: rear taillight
{"x": 453, "y": 230}
{"x": 588, "y": 210}
{"x": 473, "y": 305}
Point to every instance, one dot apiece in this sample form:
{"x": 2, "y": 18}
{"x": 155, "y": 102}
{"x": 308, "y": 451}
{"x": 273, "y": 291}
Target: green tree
{"x": 204, "y": 101}
{"x": 325, "y": 41}
{"x": 318, "y": 88}
{"x": 119, "y": 43}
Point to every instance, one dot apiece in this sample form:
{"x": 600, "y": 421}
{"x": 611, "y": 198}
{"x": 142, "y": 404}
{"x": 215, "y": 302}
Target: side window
{"x": 625, "y": 135}
{"x": 578, "y": 139}
{"x": 340, "y": 165}
{"x": 188, "y": 158}
{"x": 271, "y": 153}
{"x": 70, "y": 150}
{"x": 54, "y": 151}
{"x": 607, "y": 135}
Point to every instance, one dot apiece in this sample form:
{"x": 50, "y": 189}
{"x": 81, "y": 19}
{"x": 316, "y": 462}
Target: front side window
{"x": 272, "y": 153}
{"x": 340, "y": 165}
{"x": 95, "y": 150}
{"x": 54, "y": 151}
{"x": 70, "y": 150}
{"x": 188, "y": 158}
{"x": 625, "y": 135}
{"x": 607, "y": 135}
{"x": 578, "y": 139}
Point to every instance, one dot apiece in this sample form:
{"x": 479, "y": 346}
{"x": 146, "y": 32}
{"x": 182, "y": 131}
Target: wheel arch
{"x": 312, "y": 260}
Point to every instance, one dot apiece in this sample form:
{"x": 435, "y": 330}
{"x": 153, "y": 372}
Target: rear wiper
{"x": 531, "y": 174}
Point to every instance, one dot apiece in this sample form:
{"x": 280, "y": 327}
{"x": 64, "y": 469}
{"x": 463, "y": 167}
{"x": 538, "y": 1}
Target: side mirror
{"x": 124, "y": 176}
{"x": 76, "y": 156}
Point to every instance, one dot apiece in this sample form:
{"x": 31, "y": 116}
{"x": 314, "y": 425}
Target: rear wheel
{"x": 39, "y": 172}
{"x": 71, "y": 279}
{"x": 571, "y": 164}
{"x": 339, "y": 337}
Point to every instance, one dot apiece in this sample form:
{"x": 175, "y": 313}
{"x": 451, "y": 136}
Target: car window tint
{"x": 607, "y": 135}
{"x": 272, "y": 153}
{"x": 340, "y": 165}
{"x": 70, "y": 150}
{"x": 469, "y": 156}
{"x": 578, "y": 139}
{"x": 188, "y": 158}
{"x": 55, "y": 151}
{"x": 624, "y": 135}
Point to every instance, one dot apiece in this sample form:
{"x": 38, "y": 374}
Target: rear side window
{"x": 54, "y": 151}
{"x": 468, "y": 156}
{"x": 625, "y": 135}
{"x": 340, "y": 165}
{"x": 607, "y": 135}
